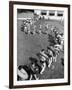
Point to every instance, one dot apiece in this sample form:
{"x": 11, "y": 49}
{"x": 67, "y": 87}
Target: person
{"x": 43, "y": 60}
{"x": 34, "y": 29}
{"x": 40, "y": 27}
{"x": 23, "y": 26}
{"x": 26, "y": 30}
{"x": 38, "y": 32}
{"x": 62, "y": 39}
{"x": 29, "y": 72}
{"x": 51, "y": 55}
{"x": 35, "y": 71}
{"x": 56, "y": 34}
{"x": 58, "y": 38}
{"x": 52, "y": 28}
{"x": 54, "y": 53}
{"x": 31, "y": 32}
{"x": 23, "y": 73}
{"x": 35, "y": 67}
{"x": 57, "y": 48}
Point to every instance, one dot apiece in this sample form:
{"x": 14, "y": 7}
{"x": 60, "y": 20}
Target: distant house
{"x": 51, "y": 14}
{"x": 60, "y": 13}
{"x": 46, "y": 14}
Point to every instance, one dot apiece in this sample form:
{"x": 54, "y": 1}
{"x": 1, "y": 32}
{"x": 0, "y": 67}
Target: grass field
{"x": 29, "y": 45}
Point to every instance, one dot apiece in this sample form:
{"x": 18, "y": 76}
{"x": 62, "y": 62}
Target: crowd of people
{"x": 46, "y": 56}
{"x": 27, "y": 24}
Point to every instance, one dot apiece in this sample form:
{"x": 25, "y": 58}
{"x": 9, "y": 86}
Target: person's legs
{"x": 43, "y": 67}
{"x": 50, "y": 61}
{"x": 35, "y": 76}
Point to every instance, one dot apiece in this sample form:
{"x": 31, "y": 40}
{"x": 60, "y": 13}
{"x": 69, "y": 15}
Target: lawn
{"x": 29, "y": 45}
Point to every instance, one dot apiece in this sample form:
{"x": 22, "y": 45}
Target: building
{"x": 50, "y": 14}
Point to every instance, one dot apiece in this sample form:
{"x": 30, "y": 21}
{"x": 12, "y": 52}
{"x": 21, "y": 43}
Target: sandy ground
{"x": 29, "y": 45}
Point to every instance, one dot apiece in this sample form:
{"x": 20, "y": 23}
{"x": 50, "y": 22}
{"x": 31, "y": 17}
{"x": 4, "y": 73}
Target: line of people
{"x": 26, "y": 28}
{"x": 59, "y": 38}
{"x": 31, "y": 71}
{"x": 46, "y": 58}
